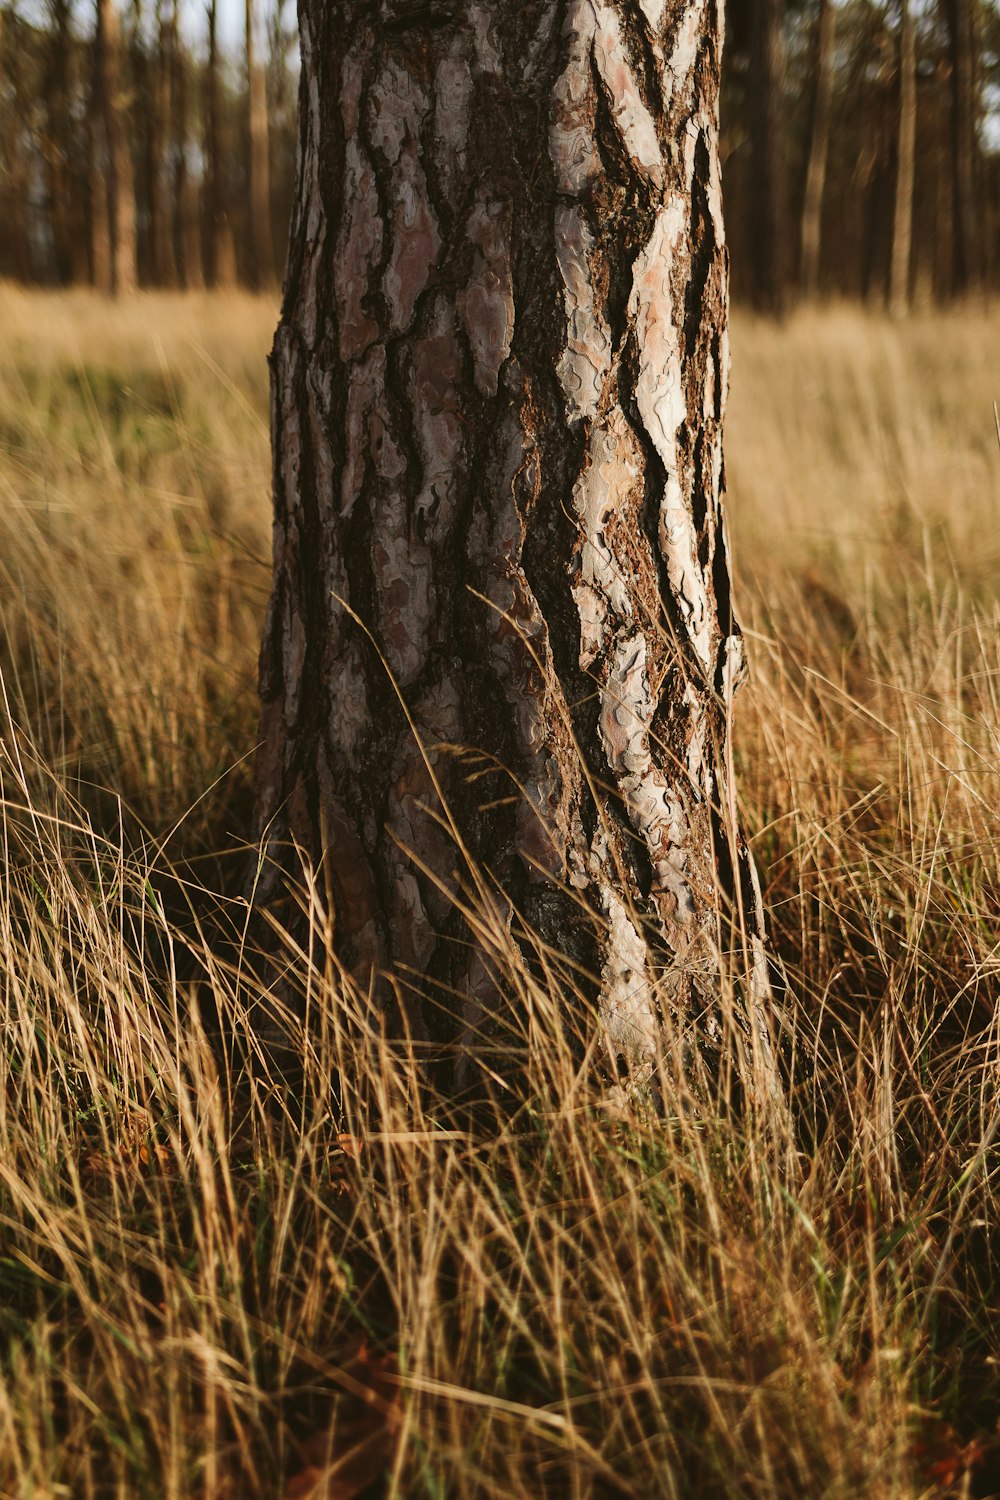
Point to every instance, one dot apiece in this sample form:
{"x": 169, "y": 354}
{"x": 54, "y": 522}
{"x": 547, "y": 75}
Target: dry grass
{"x": 212, "y": 1284}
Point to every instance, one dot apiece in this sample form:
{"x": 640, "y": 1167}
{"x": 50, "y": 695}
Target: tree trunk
{"x": 62, "y": 185}
{"x": 18, "y": 240}
{"x": 906, "y": 144}
{"x": 966, "y": 264}
{"x": 98, "y": 169}
{"x": 770, "y": 210}
{"x": 15, "y": 250}
{"x": 188, "y": 235}
{"x": 819, "y": 146}
{"x": 161, "y": 201}
{"x": 498, "y": 390}
{"x": 258, "y": 166}
{"x": 221, "y": 255}
{"x": 117, "y": 159}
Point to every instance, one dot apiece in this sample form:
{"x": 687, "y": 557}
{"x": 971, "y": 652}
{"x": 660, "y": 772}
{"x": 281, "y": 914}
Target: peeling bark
{"x": 498, "y": 391}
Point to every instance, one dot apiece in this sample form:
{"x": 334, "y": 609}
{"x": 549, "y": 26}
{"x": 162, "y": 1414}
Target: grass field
{"x": 211, "y": 1285}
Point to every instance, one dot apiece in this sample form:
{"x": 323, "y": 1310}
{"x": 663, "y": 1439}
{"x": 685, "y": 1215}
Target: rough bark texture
{"x": 498, "y": 390}
{"x": 819, "y": 148}
{"x": 906, "y": 146}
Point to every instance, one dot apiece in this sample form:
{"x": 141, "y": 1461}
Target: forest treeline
{"x": 135, "y": 152}
{"x": 861, "y": 146}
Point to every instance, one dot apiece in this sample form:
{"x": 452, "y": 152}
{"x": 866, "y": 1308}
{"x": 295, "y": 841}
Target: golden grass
{"x": 214, "y": 1284}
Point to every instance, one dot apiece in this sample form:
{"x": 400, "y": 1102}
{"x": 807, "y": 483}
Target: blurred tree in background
{"x": 861, "y": 146}
{"x": 884, "y": 119}
{"x": 133, "y": 149}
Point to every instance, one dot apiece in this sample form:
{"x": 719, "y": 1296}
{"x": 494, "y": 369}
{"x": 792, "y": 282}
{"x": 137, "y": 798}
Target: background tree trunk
{"x": 902, "y": 218}
{"x": 770, "y": 188}
{"x": 819, "y": 146}
{"x": 15, "y": 169}
{"x": 161, "y": 204}
{"x": 98, "y": 168}
{"x": 67, "y": 227}
{"x": 498, "y": 390}
{"x": 258, "y": 165}
{"x": 188, "y": 233}
{"x": 966, "y": 264}
{"x": 13, "y": 165}
{"x": 221, "y": 253}
{"x": 120, "y": 180}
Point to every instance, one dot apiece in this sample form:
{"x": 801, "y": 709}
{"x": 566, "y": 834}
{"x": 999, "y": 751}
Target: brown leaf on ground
{"x": 365, "y": 1435}
{"x": 943, "y": 1458}
{"x": 159, "y": 1157}
{"x": 305, "y": 1485}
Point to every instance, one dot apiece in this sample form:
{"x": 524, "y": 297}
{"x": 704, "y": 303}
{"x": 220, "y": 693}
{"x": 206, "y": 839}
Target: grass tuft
{"x": 212, "y": 1283}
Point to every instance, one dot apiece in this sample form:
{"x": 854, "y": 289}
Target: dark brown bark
{"x": 769, "y": 220}
{"x": 906, "y": 143}
{"x": 258, "y": 165}
{"x": 221, "y": 254}
{"x": 967, "y": 250}
{"x": 498, "y": 390}
{"x": 819, "y": 148}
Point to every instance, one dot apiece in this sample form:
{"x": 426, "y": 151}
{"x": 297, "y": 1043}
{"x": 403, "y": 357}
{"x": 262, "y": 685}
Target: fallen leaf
{"x": 304, "y": 1485}
{"x": 370, "y": 1419}
{"x": 158, "y": 1156}
{"x": 943, "y": 1458}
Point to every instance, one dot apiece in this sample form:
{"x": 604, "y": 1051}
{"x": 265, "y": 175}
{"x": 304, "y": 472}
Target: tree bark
{"x": 258, "y": 163}
{"x": 770, "y": 208}
{"x": 500, "y": 651}
{"x": 819, "y": 147}
{"x": 967, "y": 258}
{"x": 906, "y": 144}
{"x": 221, "y": 254}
